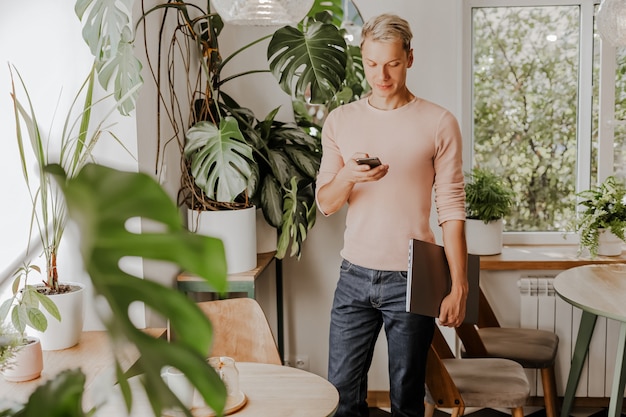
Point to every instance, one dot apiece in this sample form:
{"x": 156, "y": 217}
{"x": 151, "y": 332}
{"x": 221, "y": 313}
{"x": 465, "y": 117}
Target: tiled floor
{"x": 488, "y": 412}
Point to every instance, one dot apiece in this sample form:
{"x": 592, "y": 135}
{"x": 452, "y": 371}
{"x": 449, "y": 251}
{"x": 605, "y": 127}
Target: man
{"x": 420, "y": 146}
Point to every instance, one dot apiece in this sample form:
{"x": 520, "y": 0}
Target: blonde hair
{"x": 388, "y": 27}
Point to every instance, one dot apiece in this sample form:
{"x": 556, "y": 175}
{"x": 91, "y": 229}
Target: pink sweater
{"x": 422, "y": 144}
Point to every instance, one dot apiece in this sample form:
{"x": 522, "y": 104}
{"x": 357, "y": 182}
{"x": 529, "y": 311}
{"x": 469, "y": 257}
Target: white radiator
{"x": 542, "y": 309}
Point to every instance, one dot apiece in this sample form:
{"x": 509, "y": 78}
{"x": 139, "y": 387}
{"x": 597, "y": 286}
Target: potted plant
{"x": 231, "y": 159}
{"x": 10, "y": 343}
{"x": 24, "y": 309}
{"x": 72, "y": 149}
{"x": 487, "y": 201}
{"x": 600, "y": 225}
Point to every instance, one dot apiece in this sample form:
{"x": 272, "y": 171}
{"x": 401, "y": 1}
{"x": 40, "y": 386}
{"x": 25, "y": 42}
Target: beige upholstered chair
{"x": 531, "y": 348}
{"x": 459, "y": 383}
{"x": 241, "y": 331}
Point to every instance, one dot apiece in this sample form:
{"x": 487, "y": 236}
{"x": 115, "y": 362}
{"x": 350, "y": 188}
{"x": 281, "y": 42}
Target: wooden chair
{"x": 460, "y": 383}
{"x": 531, "y": 348}
{"x": 241, "y": 331}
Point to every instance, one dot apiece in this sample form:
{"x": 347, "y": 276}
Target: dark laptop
{"x": 428, "y": 280}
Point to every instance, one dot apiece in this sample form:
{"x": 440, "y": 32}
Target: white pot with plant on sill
{"x": 484, "y": 238}
{"x": 63, "y": 333}
{"x": 487, "y": 201}
{"x": 601, "y": 223}
{"x": 608, "y": 243}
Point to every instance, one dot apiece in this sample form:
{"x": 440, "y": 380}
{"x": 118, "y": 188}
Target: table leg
{"x": 585, "y": 331}
{"x": 619, "y": 379}
{"x": 279, "y": 308}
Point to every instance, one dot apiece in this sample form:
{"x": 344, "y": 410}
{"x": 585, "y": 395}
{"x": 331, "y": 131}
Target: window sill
{"x": 542, "y": 257}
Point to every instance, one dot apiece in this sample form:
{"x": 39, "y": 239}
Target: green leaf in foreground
{"x": 101, "y": 200}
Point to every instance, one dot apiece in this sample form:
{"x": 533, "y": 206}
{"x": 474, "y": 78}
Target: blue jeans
{"x": 365, "y": 299}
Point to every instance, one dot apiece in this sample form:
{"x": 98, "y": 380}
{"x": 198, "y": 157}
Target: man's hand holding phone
{"x": 371, "y": 161}
{"x": 376, "y": 169}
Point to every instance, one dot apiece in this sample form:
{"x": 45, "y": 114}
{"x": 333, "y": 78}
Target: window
{"x": 534, "y": 103}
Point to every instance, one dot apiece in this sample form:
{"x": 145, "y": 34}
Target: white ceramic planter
{"x": 484, "y": 239}
{"x": 65, "y": 333}
{"x": 236, "y": 229}
{"x": 27, "y": 363}
{"x": 609, "y": 244}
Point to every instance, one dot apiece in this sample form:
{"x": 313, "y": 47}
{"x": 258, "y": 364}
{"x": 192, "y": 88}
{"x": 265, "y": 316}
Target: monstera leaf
{"x": 108, "y": 31}
{"x": 220, "y": 159}
{"x": 101, "y": 200}
{"x": 314, "y": 60}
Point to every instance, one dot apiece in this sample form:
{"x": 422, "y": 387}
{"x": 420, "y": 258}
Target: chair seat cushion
{"x": 531, "y": 348}
{"x": 499, "y": 383}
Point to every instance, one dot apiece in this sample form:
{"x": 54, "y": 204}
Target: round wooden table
{"x": 272, "y": 391}
{"x": 277, "y": 391}
{"x": 598, "y": 290}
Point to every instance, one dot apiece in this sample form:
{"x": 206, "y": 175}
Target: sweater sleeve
{"x": 448, "y": 164}
{"x": 332, "y": 160}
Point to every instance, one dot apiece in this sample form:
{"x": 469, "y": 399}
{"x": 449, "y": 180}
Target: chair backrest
{"x": 241, "y": 331}
{"x": 472, "y": 343}
{"x": 438, "y": 381}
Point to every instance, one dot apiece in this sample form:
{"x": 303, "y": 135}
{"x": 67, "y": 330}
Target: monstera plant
{"x": 231, "y": 158}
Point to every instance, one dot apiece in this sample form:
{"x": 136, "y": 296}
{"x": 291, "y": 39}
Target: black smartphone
{"x": 372, "y": 162}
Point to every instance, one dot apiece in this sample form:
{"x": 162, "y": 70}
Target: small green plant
{"x": 487, "y": 197}
{"x": 604, "y": 208}
{"x": 25, "y": 305}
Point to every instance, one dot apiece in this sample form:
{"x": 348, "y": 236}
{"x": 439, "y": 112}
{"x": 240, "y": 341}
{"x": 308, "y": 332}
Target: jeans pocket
{"x": 346, "y": 265}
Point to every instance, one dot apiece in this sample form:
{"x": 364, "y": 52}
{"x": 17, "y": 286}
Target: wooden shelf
{"x": 542, "y": 257}
{"x": 240, "y": 282}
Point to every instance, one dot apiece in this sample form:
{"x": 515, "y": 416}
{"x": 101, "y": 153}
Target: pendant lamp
{"x": 611, "y": 21}
{"x": 262, "y": 12}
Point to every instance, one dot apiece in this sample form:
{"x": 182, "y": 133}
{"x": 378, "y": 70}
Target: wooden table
{"x": 542, "y": 257}
{"x": 244, "y": 282}
{"x": 598, "y": 290}
{"x": 92, "y": 354}
{"x": 271, "y": 390}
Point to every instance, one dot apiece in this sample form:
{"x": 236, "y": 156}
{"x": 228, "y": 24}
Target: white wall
{"x": 42, "y": 39}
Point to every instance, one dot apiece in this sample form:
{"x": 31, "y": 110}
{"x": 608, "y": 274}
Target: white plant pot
{"x": 266, "y": 235}
{"x": 236, "y": 229}
{"x": 609, "y": 244}
{"x": 484, "y": 239}
{"x": 27, "y": 363}
{"x": 65, "y": 333}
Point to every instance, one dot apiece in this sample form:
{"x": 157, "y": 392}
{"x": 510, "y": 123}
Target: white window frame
{"x": 585, "y": 104}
